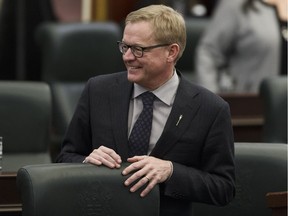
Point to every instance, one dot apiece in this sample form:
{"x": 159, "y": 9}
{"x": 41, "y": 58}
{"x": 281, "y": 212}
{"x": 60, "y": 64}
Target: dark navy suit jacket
{"x": 201, "y": 146}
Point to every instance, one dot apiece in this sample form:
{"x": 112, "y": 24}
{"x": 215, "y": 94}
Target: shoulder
{"x": 200, "y": 94}
{"x": 102, "y": 84}
{"x": 107, "y": 80}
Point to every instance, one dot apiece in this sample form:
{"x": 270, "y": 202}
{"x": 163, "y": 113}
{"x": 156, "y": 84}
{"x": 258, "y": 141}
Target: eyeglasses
{"x": 136, "y": 50}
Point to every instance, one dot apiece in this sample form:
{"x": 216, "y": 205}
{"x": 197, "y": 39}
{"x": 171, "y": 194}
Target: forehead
{"x": 138, "y": 33}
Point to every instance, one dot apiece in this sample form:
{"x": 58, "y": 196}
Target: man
{"x": 190, "y": 151}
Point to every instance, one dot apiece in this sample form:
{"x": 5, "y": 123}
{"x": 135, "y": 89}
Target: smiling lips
{"x": 130, "y": 68}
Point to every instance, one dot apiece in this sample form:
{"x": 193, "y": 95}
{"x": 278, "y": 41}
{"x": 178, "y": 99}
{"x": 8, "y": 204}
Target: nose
{"x": 128, "y": 55}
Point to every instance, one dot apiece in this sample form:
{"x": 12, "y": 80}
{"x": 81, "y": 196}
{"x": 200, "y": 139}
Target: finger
{"x": 99, "y": 157}
{"x": 107, "y": 160}
{"x": 150, "y": 184}
{"x": 137, "y": 163}
{"x": 137, "y": 175}
{"x": 142, "y": 181}
{"x": 136, "y": 158}
{"x": 91, "y": 160}
{"x": 100, "y": 161}
{"x": 147, "y": 178}
{"x": 111, "y": 153}
{"x": 147, "y": 189}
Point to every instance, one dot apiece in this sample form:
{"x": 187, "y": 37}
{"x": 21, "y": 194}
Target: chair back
{"x": 260, "y": 168}
{"x": 25, "y": 123}
{"x": 273, "y": 93}
{"x": 194, "y": 29}
{"x": 65, "y": 97}
{"x": 81, "y": 190}
{"x": 78, "y": 51}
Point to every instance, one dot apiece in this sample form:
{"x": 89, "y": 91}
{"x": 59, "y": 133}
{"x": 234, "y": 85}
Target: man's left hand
{"x": 147, "y": 170}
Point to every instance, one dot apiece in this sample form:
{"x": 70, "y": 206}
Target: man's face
{"x": 152, "y": 69}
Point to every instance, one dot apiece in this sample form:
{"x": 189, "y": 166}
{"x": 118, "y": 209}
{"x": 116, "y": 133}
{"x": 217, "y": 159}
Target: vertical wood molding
{"x": 99, "y": 10}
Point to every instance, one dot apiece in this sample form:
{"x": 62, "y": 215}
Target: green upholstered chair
{"x": 81, "y": 190}
{"x": 194, "y": 30}
{"x": 260, "y": 168}
{"x": 65, "y": 97}
{"x": 25, "y": 123}
{"x": 273, "y": 93}
{"x": 71, "y": 53}
{"x": 77, "y": 51}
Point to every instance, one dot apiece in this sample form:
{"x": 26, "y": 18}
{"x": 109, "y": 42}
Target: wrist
{"x": 171, "y": 170}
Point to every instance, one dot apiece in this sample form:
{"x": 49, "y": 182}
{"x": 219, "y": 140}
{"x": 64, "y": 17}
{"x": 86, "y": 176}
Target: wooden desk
{"x": 247, "y": 116}
{"x": 10, "y": 203}
{"x": 277, "y": 201}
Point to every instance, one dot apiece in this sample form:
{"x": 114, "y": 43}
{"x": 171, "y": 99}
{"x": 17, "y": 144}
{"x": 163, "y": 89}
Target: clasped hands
{"x": 143, "y": 169}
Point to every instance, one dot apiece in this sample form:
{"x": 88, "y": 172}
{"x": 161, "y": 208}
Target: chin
{"x": 132, "y": 77}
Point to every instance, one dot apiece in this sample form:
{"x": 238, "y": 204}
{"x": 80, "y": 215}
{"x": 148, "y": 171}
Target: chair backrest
{"x": 78, "y": 51}
{"x": 273, "y": 92}
{"x": 81, "y": 190}
{"x": 194, "y": 28}
{"x": 65, "y": 98}
{"x": 260, "y": 168}
{"x": 25, "y": 122}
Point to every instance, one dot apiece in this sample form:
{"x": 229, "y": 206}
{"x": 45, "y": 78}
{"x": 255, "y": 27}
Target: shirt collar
{"x": 166, "y": 92}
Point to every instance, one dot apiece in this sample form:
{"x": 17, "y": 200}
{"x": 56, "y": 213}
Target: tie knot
{"x": 147, "y": 98}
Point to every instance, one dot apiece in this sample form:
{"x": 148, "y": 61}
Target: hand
{"x": 147, "y": 170}
{"x": 104, "y": 156}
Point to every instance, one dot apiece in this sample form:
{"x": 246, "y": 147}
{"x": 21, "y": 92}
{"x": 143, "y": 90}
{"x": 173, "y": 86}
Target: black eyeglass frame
{"x": 133, "y": 48}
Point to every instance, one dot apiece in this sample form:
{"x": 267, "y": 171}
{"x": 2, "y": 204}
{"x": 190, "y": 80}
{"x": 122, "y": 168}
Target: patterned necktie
{"x": 140, "y": 136}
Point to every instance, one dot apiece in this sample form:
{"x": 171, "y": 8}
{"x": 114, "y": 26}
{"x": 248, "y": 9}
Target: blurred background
{"x": 19, "y": 55}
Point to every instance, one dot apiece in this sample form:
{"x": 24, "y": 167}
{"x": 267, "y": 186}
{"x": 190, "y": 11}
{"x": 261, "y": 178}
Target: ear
{"x": 174, "y": 50}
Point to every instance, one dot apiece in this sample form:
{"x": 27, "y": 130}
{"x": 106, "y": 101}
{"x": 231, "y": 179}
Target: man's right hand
{"x": 104, "y": 156}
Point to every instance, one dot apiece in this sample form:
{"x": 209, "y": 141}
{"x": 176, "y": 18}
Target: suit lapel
{"x": 184, "y": 109}
{"x": 120, "y": 95}
{"x": 186, "y": 105}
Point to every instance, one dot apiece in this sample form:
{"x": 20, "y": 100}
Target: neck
{"x": 152, "y": 88}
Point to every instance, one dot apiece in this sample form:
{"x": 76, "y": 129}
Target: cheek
{"x": 155, "y": 61}
{"x": 157, "y": 64}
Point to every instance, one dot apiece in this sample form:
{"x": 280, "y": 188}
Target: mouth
{"x": 131, "y": 68}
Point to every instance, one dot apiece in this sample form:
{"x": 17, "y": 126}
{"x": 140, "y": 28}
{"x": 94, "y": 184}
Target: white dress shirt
{"x": 162, "y": 106}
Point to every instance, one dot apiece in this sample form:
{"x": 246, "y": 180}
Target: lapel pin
{"x": 180, "y": 117}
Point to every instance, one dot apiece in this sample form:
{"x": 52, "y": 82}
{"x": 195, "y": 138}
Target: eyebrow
{"x": 133, "y": 44}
